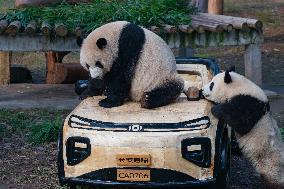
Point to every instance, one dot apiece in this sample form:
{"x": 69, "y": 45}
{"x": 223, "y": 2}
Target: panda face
{"x": 99, "y": 50}
{"x": 95, "y": 56}
{"x": 226, "y": 85}
{"x": 218, "y": 90}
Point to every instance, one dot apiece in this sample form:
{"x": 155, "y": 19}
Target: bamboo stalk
{"x": 60, "y": 30}
{"x": 13, "y": 28}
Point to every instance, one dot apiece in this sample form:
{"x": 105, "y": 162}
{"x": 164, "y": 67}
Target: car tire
{"x": 223, "y": 178}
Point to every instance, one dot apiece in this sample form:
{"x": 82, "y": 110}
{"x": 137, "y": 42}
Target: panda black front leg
{"x": 109, "y": 103}
{"x": 114, "y": 99}
{"x": 117, "y": 90}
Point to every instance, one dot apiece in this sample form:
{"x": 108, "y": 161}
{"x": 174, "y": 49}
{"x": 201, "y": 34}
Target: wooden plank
{"x": 24, "y": 43}
{"x": 4, "y": 68}
{"x": 253, "y": 64}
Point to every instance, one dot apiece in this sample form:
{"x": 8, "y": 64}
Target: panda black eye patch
{"x": 211, "y": 86}
{"x": 99, "y": 65}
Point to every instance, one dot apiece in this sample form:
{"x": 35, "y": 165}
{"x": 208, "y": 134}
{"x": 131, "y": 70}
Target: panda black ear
{"x": 227, "y": 78}
{"x": 232, "y": 69}
{"x": 101, "y": 43}
{"x": 79, "y": 41}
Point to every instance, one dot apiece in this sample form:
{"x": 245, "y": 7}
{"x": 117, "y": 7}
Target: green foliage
{"x": 40, "y": 126}
{"x": 92, "y": 15}
{"x": 45, "y": 131}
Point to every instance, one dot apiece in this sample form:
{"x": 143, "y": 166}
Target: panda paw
{"x": 107, "y": 103}
{"x": 145, "y": 100}
{"x": 83, "y": 96}
{"x": 217, "y": 111}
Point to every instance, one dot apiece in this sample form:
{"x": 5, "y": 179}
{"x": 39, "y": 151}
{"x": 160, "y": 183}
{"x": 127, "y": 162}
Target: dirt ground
{"x": 23, "y": 165}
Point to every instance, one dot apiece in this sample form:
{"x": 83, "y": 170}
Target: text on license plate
{"x": 133, "y": 175}
{"x": 133, "y": 160}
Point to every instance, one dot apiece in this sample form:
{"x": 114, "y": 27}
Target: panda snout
{"x": 203, "y": 93}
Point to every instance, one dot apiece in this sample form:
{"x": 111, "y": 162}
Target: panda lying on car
{"x": 126, "y": 61}
{"x": 245, "y": 107}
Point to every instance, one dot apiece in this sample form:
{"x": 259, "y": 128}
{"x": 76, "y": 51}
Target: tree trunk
{"x": 202, "y": 5}
{"x": 215, "y": 6}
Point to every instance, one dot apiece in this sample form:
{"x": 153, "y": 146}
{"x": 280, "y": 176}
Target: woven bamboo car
{"x": 180, "y": 144}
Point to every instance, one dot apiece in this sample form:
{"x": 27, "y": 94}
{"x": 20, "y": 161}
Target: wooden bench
{"x": 206, "y": 30}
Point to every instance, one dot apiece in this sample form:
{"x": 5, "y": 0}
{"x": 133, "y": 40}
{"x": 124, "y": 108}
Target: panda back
{"x": 156, "y": 63}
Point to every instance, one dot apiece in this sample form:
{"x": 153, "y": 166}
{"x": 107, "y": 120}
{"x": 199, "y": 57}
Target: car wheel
{"x": 223, "y": 178}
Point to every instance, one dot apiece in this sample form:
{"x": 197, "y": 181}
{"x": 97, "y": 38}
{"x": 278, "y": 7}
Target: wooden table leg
{"x": 253, "y": 64}
{"x": 4, "y": 68}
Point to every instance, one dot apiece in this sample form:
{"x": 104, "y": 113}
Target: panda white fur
{"x": 133, "y": 62}
{"x": 245, "y": 107}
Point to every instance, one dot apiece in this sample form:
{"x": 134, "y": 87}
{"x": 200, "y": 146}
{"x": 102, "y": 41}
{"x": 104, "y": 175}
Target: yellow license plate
{"x": 133, "y": 175}
{"x": 133, "y": 160}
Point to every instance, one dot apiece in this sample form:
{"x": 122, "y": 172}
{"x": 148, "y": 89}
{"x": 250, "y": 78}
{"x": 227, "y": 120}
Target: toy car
{"x": 180, "y": 144}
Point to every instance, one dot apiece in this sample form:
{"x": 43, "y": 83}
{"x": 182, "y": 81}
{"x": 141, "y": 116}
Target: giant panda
{"x": 133, "y": 63}
{"x": 245, "y": 107}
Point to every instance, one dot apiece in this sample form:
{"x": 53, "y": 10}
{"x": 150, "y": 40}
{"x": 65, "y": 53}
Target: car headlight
{"x": 197, "y": 150}
{"x": 77, "y": 149}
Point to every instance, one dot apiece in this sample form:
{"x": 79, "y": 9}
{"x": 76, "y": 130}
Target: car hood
{"x": 131, "y": 112}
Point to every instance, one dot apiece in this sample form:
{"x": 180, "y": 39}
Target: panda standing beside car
{"x": 245, "y": 107}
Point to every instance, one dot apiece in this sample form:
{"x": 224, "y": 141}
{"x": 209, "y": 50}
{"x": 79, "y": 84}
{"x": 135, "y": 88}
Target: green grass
{"x": 39, "y": 126}
{"x": 99, "y": 12}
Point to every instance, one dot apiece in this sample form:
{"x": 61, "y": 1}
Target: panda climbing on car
{"x": 127, "y": 61}
{"x": 245, "y": 107}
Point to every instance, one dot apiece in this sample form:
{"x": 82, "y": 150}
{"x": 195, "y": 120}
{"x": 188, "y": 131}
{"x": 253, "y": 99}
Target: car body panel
{"x": 159, "y": 135}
